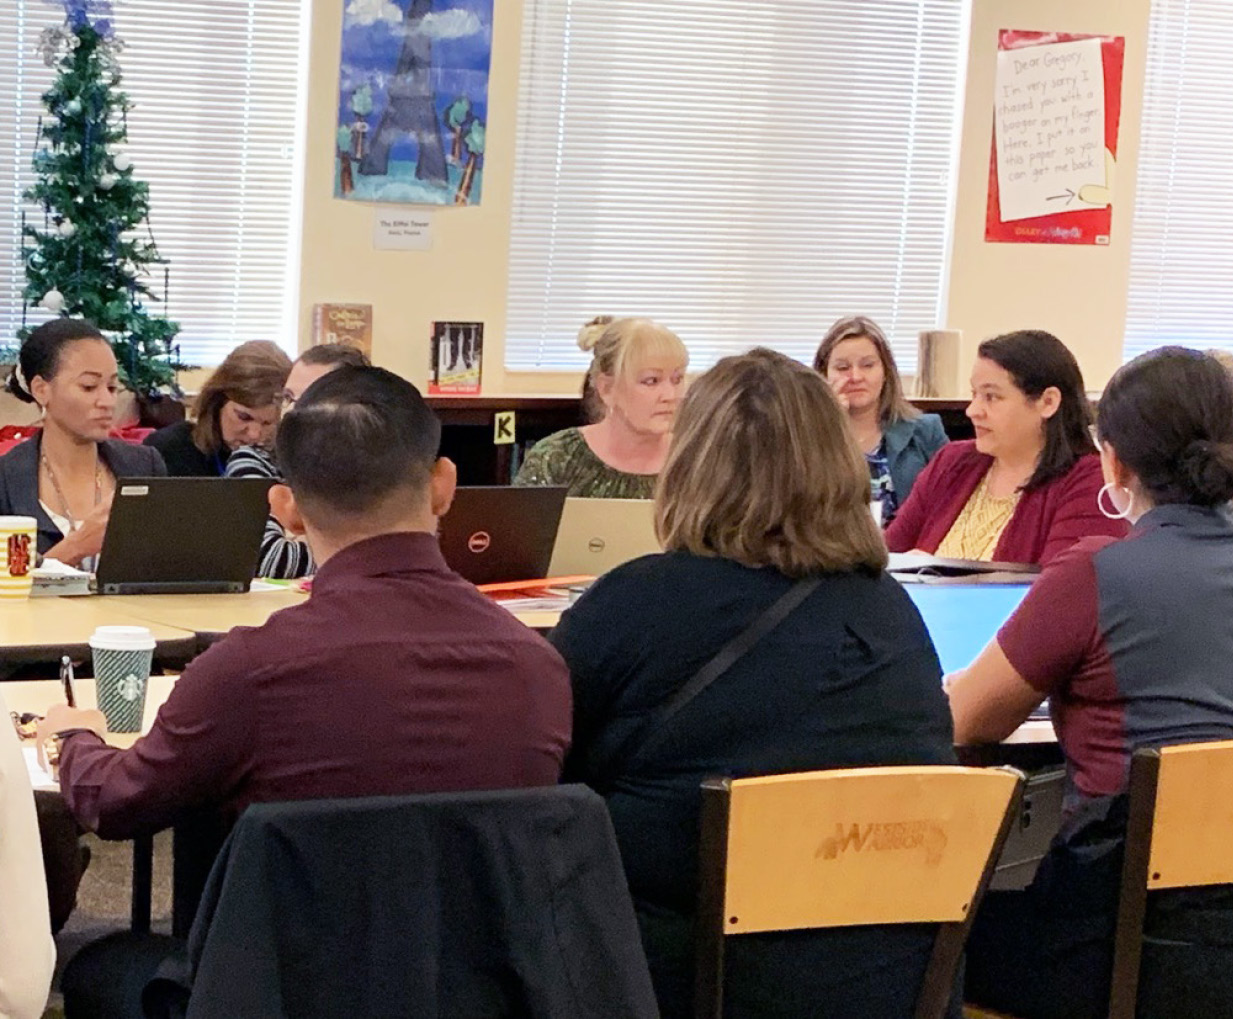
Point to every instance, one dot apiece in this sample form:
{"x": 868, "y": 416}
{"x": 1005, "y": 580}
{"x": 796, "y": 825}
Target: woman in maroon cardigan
{"x": 1025, "y": 489}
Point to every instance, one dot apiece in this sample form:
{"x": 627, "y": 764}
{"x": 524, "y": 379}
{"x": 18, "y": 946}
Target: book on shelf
{"x": 343, "y": 323}
{"x": 457, "y": 354}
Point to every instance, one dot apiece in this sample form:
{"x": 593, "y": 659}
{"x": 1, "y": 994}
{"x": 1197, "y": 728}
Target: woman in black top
{"x": 65, "y": 476}
{"x": 763, "y": 485}
{"x": 238, "y": 406}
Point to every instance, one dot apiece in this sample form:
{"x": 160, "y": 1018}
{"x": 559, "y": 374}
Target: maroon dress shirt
{"x": 395, "y": 677}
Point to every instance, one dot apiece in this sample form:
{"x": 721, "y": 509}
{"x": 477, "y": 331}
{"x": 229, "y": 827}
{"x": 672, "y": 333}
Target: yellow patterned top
{"x": 979, "y": 526}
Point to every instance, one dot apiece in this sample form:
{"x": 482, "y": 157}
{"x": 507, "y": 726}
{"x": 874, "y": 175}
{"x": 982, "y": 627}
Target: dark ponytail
{"x": 1168, "y": 415}
{"x": 41, "y": 352}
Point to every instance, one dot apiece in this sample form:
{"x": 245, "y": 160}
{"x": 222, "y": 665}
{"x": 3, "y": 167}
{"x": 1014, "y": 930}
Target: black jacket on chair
{"x": 508, "y": 903}
{"x": 19, "y": 479}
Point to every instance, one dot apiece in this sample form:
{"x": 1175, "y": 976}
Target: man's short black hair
{"x": 355, "y": 437}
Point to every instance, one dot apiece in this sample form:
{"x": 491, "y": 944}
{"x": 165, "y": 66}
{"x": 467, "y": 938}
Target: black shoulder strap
{"x": 652, "y": 731}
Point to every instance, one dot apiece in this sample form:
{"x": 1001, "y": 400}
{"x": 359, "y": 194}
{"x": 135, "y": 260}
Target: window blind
{"x": 1181, "y": 264}
{"x": 216, "y": 89}
{"x": 745, "y": 171}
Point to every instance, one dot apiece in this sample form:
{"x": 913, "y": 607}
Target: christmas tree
{"x": 93, "y": 253}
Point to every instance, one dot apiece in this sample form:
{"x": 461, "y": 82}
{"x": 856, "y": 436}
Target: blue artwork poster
{"x": 413, "y": 101}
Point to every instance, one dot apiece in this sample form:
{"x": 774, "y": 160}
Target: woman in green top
{"x": 635, "y": 381}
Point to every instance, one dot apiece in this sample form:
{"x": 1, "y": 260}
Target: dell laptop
{"x": 496, "y": 534}
{"x": 183, "y": 535}
{"x": 599, "y": 534}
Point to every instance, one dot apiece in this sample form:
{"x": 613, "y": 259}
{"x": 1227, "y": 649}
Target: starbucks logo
{"x": 129, "y": 688}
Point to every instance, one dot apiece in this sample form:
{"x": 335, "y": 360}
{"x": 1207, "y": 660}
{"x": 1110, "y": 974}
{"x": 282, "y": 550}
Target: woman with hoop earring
{"x": 1130, "y": 641}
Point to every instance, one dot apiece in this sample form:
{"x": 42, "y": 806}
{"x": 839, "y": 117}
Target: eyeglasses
{"x": 288, "y": 399}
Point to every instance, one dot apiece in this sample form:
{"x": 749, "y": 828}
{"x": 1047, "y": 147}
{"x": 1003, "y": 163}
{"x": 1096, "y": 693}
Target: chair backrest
{"x": 851, "y": 847}
{"x": 1179, "y": 834}
{"x": 494, "y": 903}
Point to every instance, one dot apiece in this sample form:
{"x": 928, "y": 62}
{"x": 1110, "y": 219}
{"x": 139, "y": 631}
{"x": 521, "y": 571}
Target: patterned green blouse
{"x": 564, "y": 458}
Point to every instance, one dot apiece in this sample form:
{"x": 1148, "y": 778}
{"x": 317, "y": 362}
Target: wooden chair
{"x": 1179, "y": 834}
{"x": 844, "y": 848}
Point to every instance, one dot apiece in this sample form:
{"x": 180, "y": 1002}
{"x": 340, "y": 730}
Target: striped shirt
{"x": 282, "y": 555}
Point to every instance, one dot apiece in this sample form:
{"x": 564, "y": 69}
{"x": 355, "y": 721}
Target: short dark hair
{"x": 355, "y": 437}
{"x": 1036, "y": 360}
{"x": 335, "y": 355}
{"x": 41, "y": 352}
{"x": 1168, "y": 415}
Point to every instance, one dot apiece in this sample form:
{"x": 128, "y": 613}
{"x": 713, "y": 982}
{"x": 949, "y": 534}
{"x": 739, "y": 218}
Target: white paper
{"x": 39, "y": 779}
{"x": 1049, "y": 110}
{"x": 399, "y": 230}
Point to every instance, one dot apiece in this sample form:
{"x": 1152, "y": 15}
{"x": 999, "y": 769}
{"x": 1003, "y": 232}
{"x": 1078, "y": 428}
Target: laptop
{"x": 963, "y": 618}
{"x": 915, "y": 567}
{"x": 599, "y": 534}
{"x": 495, "y": 534}
{"x": 183, "y": 535}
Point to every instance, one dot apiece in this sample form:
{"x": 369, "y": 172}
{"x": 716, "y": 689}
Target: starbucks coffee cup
{"x": 18, "y": 545}
{"x": 122, "y": 659}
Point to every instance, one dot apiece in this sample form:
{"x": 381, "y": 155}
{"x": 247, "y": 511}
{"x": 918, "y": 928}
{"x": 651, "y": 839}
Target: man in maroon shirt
{"x": 395, "y": 677}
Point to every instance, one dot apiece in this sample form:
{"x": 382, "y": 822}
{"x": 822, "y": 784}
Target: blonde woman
{"x": 635, "y": 380}
{"x": 764, "y": 497}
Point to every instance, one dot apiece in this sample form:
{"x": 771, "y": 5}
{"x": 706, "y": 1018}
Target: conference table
{"x": 43, "y": 629}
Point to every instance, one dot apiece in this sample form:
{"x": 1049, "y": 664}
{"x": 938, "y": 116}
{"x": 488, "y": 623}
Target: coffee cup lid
{"x": 122, "y": 638}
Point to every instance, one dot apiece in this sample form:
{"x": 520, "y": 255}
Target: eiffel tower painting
{"x": 413, "y": 101}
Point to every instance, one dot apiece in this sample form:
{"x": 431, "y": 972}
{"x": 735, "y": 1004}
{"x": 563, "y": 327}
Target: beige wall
{"x": 463, "y": 276}
{"x": 1077, "y": 292}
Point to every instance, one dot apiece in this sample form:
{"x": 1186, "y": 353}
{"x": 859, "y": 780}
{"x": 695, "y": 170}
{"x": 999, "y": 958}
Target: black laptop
{"x": 183, "y": 535}
{"x": 495, "y": 534}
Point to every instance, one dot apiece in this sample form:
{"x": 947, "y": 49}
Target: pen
{"x": 66, "y": 679}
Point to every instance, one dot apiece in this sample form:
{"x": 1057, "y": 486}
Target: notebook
{"x": 183, "y": 535}
{"x": 498, "y": 533}
{"x": 598, "y": 534}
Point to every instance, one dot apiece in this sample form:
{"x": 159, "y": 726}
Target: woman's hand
{"x": 86, "y": 540}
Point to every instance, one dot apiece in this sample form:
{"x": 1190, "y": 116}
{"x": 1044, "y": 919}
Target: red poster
{"x": 1057, "y": 106}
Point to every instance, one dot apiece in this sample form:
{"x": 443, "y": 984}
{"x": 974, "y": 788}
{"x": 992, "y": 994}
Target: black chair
{"x": 509, "y": 903}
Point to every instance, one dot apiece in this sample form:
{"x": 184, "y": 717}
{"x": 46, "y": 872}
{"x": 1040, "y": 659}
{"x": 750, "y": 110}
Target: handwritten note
{"x": 1049, "y": 108}
{"x": 398, "y": 230}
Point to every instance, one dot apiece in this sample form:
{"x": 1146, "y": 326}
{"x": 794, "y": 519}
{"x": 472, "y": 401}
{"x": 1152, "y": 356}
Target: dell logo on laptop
{"x": 479, "y": 542}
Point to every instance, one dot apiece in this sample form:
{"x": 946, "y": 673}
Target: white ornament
{"x": 73, "y": 42}
{"x": 73, "y": 107}
{"x": 122, "y": 162}
{"x": 67, "y": 228}
{"x": 107, "y": 181}
{"x": 53, "y": 300}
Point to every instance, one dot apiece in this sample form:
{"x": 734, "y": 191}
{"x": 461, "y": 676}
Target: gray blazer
{"x": 19, "y": 479}
{"x": 910, "y": 444}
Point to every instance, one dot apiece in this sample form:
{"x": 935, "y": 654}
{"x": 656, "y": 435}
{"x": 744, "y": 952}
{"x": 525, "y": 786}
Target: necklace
{"x": 55, "y": 484}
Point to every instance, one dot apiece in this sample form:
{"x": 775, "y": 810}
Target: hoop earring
{"x": 1107, "y": 490}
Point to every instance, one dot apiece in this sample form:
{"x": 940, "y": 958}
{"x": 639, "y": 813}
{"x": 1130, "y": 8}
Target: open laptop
{"x": 183, "y": 535}
{"x": 963, "y": 618}
{"x": 497, "y": 534}
{"x": 598, "y": 534}
{"x": 916, "y": 567}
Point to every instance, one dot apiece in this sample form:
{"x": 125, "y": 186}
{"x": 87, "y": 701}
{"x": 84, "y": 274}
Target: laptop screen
{"x": 963, "y": 618}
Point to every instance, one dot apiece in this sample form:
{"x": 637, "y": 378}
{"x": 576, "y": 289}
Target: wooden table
{"x": 42, "y": 629}
{"x": 38, "y": 695}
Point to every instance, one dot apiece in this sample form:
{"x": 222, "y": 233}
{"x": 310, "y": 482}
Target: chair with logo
{"x": 857, "y": 847}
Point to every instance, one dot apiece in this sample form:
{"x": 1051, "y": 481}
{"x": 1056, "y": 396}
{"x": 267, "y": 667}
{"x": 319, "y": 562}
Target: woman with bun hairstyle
{"x": 238, "y": 406}
{"x": 1131, "y": 643}
{"x": 65, "y": 476}
{"x": 636, "y": 376}
{"x": 897, "y": 439}
{"x": 1025, "y": 488}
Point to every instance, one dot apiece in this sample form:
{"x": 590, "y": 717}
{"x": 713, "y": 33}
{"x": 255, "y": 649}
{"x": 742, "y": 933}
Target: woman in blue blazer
{"x": 897, "y": 440}
{"x": 65, "y": 476}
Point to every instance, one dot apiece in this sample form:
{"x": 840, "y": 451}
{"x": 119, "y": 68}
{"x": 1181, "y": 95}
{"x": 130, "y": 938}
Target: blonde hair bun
{"x": 590, "y": 333}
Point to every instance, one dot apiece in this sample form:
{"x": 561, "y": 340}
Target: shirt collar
{"x": 398, "y": 552}
{"x": 1198, "y": 518}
